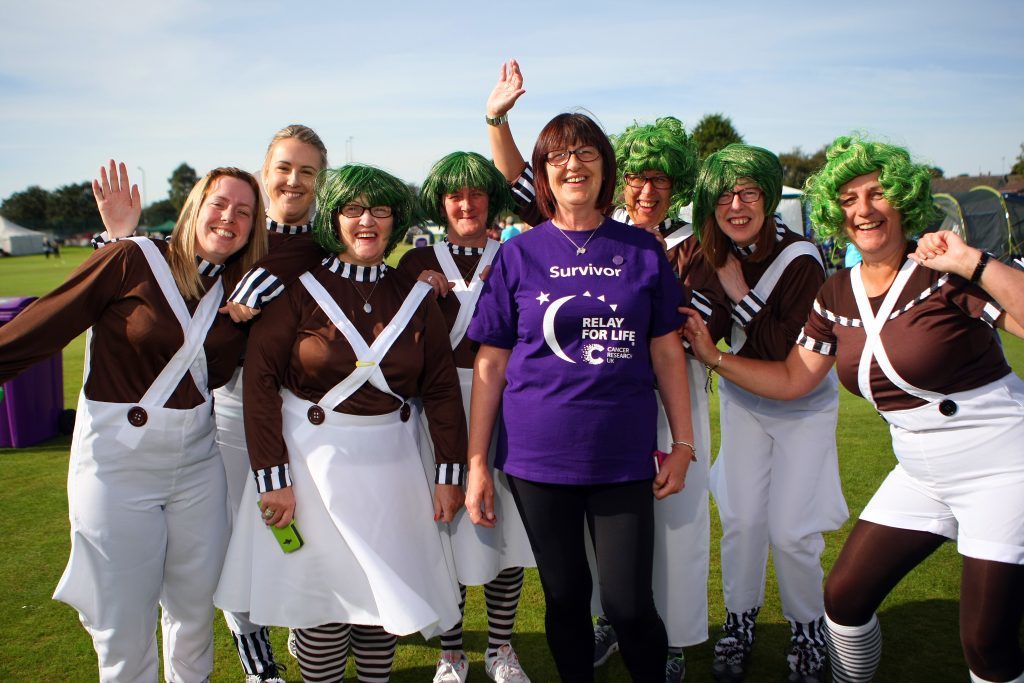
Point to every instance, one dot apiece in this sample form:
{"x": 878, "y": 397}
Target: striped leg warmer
{"x": 502, "y": 596}
{"x": 978, "y": 679}
{"x": 451, "y": 640}
{"x": 254, "y": 650}
{"x": 854, "y": 650}
{"x": 374, "y": 649}
{"x": 322, "y": 652}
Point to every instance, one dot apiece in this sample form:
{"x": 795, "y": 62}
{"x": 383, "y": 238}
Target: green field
{"x": 41, "y": 640}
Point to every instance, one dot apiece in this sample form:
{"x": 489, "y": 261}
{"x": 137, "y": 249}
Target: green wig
{"x": 464, "y": 169}
{"x": 662, "y": 146}
{"x": 336, "y": 187}
{"x": 905, "y": 185}
{"x": 721, "y": 172}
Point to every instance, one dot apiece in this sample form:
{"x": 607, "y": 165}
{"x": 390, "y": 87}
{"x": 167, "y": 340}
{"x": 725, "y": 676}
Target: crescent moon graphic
{"x": 549, "y": 328}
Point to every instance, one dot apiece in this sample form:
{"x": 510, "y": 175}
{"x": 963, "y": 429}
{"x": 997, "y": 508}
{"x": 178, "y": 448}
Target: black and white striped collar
{"x": 456, "y": 250}
{"x": 353, "y": 272}
{"x": 665, "y": 227}
{"x": 282, "y": 228}
{"x": 780, "y": 232}
{"x": 208, "y": 269}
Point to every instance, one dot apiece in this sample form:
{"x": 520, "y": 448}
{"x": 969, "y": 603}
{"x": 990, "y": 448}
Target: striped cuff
{"x": 450, "y": 473}
{"x": 824, "y": 348}
{"x": 102, "y": 239}
{"x": 256, "y": 289}
{"x": 702, "y": 305}
{"x": 522, "y": 187}
{"x": 991, "y": 313}
{"x": 747, "y": 307}
{"x": 272, "y": 478}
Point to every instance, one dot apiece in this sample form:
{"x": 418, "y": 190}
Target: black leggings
{"x": 621, "y": 522}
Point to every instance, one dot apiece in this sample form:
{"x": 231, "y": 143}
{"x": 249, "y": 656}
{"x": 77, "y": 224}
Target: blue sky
{"x": 208, "y": 83}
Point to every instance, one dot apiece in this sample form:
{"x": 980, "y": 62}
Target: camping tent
{"x": 986, "y": 218}
{"x": 17, "y": 240}
{"x": 790, "y": 209}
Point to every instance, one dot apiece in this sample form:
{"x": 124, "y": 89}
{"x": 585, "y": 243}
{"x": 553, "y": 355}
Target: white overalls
{"x": 372, "y": 553}
{"x": 961, "y": 456}
{"x": 148, "y": 520}
{"x": 480, "y": 553}
{"x": 776, "y": 481}
{"x": 682, "y": 522}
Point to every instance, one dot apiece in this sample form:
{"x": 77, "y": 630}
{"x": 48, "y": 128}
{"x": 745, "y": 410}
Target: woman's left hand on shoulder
{"x": 731, "y": 277}
{"x": 448, "y": 499}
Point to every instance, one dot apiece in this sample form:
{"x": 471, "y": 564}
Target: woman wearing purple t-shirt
{"x": 577, "y": 323}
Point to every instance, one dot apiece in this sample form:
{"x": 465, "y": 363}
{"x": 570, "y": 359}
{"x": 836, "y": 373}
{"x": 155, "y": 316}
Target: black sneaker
{"x": 675, "y": 669}
{"x": 606, "y": 643}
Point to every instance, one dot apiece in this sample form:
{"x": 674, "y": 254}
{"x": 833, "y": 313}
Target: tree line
{"x": 70, "y": 209}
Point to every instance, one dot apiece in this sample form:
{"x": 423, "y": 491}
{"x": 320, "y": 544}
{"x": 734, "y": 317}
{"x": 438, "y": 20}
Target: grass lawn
{"x": 41, "y": 640}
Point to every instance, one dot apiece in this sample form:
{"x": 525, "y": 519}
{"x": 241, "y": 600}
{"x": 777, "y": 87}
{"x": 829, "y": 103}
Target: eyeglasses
{"x": 357, "y": 210}
{"x": 747, "y": 196}
{"x": 662, "y": 182}
{"x": 560, "y": 157}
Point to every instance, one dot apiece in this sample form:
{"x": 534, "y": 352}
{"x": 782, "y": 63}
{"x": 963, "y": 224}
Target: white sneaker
{"x": 453, "y": 667}
{"x": 503, "y": 666}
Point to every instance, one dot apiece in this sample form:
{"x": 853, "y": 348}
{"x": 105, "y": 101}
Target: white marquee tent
{"x": 17, "y": 240}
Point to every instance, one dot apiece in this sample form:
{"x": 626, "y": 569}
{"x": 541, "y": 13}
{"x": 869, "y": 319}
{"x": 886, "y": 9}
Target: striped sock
{"x": 502, "y": 596}
{"x": 854, "y": 650}
{"x": 322, "y": 652}
{"x": 451, "y": 640}
{"x": 254, "y": 650}
{"x": 374, "y": 649}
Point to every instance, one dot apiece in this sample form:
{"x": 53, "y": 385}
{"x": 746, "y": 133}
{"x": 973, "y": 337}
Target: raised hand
{"x": 119, "y": 203}
{"x": 506, "y": 91}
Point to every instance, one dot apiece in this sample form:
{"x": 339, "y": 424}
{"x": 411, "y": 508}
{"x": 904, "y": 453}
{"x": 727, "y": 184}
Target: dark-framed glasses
{"x": 357, "y": 210}
{"x": 747, "y": 196}
{"x": 638, "y": 180}
{"x": 560, "y": 157}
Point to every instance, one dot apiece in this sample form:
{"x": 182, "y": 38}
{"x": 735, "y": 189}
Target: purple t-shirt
{"x": 579, "y": 405}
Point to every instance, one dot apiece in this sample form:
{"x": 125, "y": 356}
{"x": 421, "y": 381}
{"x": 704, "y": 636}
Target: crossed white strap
{"x": 190, "y": 357}
{"x": 468, "y": 294}
{"x": 368, "y": 356}
{"x": 766, "y": 285}
{"x": 873, "y": 330}
{"x": 678, "y": 236}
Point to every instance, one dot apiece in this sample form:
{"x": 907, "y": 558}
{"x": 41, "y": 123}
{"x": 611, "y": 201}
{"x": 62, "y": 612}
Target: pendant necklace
{"x": 580, "y": 250}
{"x": 366, "y": 299}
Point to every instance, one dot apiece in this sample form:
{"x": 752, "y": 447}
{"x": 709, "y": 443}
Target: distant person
{"x": 910, "y": 330}
{"x": 509, "y": 232}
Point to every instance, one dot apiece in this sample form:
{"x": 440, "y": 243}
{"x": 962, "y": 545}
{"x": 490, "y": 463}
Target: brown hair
{"x": 560, "y": 132}
{"x": 181, "y": 250}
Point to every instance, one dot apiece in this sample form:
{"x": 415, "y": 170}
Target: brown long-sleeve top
{"x": 135, "y": 332}
{"x": 772, "y": 326}
{"x": 291, "y": 252}
{"x": 415, "y": 261}
{"x": 296, "y": 346}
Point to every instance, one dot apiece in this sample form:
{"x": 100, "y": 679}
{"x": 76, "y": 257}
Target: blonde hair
{"x": 302, "y": 134}
{"x": 181, "y": 250}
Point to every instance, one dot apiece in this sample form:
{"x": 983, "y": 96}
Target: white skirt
{"x": 372, "y": 554}
{"x": 482, "y": 553}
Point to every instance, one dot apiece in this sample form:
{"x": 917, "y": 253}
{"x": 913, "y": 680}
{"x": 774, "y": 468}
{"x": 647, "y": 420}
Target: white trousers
{"x": 148, "y": 528}
{"x": 776, "y": 482}
{"x": 227, "y": 403}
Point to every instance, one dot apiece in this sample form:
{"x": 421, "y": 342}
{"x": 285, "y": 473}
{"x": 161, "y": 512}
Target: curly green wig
{"x": 722, "y": 170}
{"x": 336, "y": 187}
{"x": 464, "y": 169}
{"x": 662, "y": 146}
{"x": 905, "y": 185}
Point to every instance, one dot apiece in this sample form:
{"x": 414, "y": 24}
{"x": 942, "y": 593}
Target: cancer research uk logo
{"x": 603, "y": 337}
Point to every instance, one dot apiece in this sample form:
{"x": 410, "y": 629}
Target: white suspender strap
{"x": 369, "y": 356}
{"x": 190, "y": 357}
{"x": 678, "y": 236}
{"x": 766, "y": 285}
{"x": 873, "y": 325}
{"x": 469, "y": 294}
